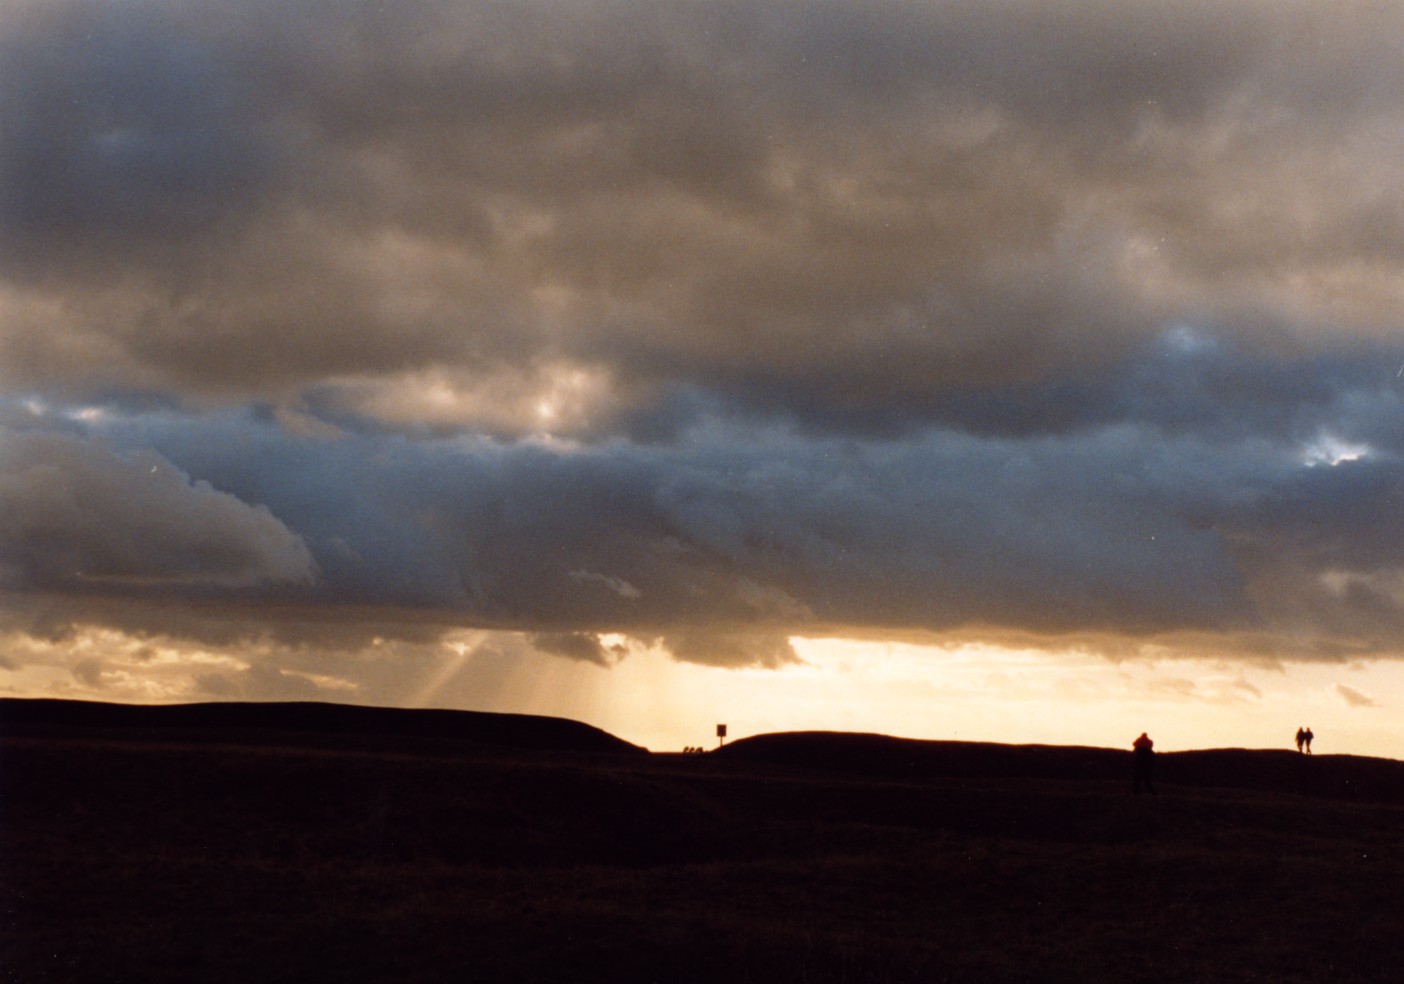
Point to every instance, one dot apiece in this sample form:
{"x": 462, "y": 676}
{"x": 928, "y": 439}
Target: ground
{"x": 150, "y": 856}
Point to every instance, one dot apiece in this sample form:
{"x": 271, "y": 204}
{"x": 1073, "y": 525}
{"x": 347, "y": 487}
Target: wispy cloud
{"x": 1354, "y": 698}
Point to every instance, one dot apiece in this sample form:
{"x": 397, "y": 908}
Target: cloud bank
{"x": 704, "y": 324}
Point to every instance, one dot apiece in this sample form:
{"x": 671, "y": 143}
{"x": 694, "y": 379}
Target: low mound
{"x": 882, "y": 755}
{"x": 1340, "y": 777}
{"x": 251, "y": 721}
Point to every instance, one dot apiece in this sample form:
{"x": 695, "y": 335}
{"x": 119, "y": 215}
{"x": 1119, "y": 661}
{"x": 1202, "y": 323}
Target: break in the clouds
{"x": 704, "y": 324}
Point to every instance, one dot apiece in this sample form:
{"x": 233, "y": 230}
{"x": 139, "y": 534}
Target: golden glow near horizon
{"x": 959, "y": 693}
{"x": 982, "y": 693}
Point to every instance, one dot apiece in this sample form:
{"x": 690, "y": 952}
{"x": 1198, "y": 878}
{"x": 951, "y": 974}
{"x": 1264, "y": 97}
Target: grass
{"x": 155, "y": 860}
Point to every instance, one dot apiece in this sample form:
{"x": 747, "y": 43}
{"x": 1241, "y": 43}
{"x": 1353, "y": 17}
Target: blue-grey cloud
{"x": 1209, "y": 516}
{"x": 77, "y": 516}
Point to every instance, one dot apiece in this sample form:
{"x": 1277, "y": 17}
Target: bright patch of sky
{"x": 1327, "y": 449}
{"x": 961, "y": 693}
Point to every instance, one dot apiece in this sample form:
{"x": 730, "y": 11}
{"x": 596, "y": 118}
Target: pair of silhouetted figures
{"x": 1144, "y": 750}
{"x": 1304, "y": 737}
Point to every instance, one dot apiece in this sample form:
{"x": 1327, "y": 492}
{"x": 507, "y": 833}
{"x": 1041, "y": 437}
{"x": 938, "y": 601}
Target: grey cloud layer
{"x": 879, "y": 317}
{"x": 832, "y": 211}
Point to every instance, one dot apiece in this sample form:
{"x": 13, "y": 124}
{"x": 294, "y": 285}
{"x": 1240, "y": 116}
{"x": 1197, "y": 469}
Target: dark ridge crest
{"x": 252, "y": 721}
{"x": 1340, "y": 777}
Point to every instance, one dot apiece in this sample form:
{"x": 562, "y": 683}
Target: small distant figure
{"x": 1307, "y": 736}
{"x": 1301, "y": 739}
{"x": 1144, "y": 751}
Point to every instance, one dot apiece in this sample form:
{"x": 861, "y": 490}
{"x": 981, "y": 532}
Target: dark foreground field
{"x": 258, "y": 852}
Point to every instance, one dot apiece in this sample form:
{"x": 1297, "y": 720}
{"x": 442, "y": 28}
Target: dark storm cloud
{"x": 1139, "y": 522}
{"x": 572, "y": 645}
{"x": 830, "y": 212}
{"x": 750, "y": 528}
{"x": 708, "y": 323}
{"x": 1190, "y": 382}
{"x": 120, "y": 127}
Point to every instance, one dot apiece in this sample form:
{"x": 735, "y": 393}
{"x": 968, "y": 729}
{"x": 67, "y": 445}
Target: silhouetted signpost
{"x": 721, "y": 735}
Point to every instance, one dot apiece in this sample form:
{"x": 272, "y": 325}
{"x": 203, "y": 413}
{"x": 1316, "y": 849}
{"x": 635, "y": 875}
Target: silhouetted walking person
{"x": 1301, "y": 739}
{"x": 1307, "y": 736}
{"x": 1144, "y": 750}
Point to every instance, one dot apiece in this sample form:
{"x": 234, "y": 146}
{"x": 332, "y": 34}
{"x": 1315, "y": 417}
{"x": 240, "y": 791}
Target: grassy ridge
{"x": 158, "y": 861}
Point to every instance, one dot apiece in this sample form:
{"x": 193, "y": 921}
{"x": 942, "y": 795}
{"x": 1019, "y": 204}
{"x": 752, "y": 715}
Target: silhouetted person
{"x": 1144, "y": 751}
{"x": 1301, "y": 739}
{"x": 1307, "y": 736}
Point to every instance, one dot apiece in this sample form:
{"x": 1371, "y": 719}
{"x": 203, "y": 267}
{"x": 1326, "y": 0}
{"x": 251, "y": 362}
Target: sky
{"x": 1018, "y": 372}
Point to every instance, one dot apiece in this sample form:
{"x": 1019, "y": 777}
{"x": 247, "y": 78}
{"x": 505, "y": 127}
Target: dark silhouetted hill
{"x": 210, "y": 843}
{"x": 1341, "y": 777}
{"x": 262, "y": 722}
